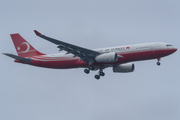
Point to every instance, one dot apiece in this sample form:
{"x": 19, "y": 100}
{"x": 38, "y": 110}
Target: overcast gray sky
{"x": 31, "y": 93}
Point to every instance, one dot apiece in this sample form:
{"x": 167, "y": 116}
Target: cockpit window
{"x": 168, "y": 45}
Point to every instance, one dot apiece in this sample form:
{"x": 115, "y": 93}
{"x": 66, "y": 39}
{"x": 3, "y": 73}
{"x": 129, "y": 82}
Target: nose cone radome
{"x": 173, "y": 50}
{"x": 170, "y": 51}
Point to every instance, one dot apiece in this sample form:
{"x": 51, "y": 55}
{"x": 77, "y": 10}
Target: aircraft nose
{"x": 175, "y": 49}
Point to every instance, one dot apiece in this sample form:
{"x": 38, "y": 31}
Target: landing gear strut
{"x": 91, "y": 67}
{"x": 101, "y": 73}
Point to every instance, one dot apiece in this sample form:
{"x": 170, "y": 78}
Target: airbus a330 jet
{"x": 119, "y": 58}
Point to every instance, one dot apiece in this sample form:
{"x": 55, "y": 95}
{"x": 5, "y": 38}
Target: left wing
{"x": 84, "y": 54}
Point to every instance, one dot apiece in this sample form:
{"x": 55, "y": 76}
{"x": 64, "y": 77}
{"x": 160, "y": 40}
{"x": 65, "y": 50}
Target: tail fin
{"x": 23, "y": 48}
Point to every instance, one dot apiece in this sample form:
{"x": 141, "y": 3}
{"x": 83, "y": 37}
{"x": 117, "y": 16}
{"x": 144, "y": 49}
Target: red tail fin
{"x": 23, "y": 48}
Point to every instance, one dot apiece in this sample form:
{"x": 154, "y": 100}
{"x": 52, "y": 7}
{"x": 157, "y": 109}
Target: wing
{"x": 84, "y": 54}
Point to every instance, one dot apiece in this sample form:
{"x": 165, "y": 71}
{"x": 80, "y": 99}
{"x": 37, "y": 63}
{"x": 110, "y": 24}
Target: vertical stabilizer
{"x": 23, "y": 48}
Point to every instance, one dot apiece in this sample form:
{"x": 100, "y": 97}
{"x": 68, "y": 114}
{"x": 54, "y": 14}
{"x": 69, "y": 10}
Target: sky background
{"x": 32, "y": 93}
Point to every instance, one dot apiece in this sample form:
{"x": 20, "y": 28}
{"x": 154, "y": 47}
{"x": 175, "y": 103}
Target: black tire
{"x": 86, "y": 71}
{"x": 102, "y": 74}
{"x": 97, "y": 77}
{"x": 158, "y": 63}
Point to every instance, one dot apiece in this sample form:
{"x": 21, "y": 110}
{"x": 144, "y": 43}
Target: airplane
{"x": 119, "y": 58}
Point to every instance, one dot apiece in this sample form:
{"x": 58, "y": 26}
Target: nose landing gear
{"x": 158, "y": 63}
{"x": 91, "y": 67}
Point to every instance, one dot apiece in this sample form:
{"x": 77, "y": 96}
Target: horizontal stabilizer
{"x": 25, "y": 60}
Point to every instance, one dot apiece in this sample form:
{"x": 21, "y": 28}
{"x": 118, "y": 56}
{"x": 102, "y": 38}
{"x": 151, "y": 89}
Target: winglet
{"x": 37, "y": 33}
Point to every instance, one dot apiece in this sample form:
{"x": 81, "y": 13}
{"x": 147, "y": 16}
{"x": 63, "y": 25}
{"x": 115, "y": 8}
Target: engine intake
{"x": 124, "y": 68}
{"x": 107, "y": 57}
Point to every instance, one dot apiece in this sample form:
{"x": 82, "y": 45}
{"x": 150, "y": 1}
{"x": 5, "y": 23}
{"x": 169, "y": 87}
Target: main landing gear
{"x": 158, "y": 63}
{"x": 91, "y": 67}
{"x": 100, "y": 73}
{"x": 88, "y": 70}
{"x": 97, "y": 76}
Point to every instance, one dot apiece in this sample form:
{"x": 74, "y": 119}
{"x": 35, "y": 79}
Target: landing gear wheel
{"x": 97, "y": 77}
{"x": 86, "y": 71}
{"x": 101, "y": 73}
{"x": 158, "y": 63}
{"x": 91, "y": 67}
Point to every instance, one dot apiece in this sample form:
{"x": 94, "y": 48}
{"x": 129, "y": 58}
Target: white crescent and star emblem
{"x": 28, "y": 47}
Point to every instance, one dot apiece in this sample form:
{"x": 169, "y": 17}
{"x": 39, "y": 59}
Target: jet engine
{"x": 124, "y": 68}
{"x": 107, "y": 57}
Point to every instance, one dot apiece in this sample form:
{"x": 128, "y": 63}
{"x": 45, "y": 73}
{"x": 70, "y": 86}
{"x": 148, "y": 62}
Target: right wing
{"x": 84, "y": 54}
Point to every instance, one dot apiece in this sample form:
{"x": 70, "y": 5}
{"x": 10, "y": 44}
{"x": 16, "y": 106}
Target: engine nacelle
{"x": 106, "y": 57}
{"x": 124, "y": 68}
